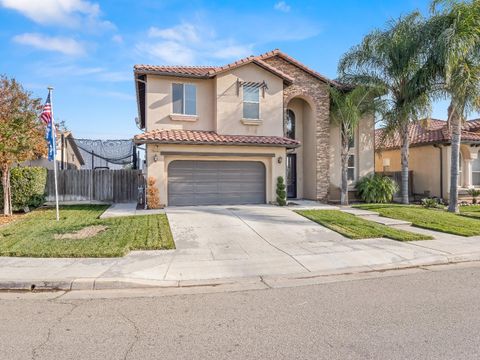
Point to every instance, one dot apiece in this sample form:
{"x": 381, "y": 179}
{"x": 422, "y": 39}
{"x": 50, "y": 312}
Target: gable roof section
{"x": 301, "y": 66}
{"x": 429, "y": 132}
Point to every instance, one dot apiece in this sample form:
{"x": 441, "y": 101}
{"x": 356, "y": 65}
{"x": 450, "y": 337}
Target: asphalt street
{"x": 432, "y": 313}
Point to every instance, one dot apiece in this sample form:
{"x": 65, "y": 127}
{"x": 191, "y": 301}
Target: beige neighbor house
{"x": 222, "y": 135}
{"x": 68, "y": 154}
{"x": 430, "y": 154}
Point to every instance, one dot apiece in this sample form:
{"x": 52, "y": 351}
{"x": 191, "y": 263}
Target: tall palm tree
{"x": 455, "y": 51}
{"x": 393, "y": 60}
{"x": 347, "y": 109}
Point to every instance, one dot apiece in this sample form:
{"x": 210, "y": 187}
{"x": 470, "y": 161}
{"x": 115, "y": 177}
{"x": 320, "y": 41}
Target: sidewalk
{"x": 262, "y": 241}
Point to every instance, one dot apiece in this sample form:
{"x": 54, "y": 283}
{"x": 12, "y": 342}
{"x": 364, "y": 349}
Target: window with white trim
{"x": 351, "y": 168}
{"x": 184, "y": 98}
{"x": 251, "y": 102}
{"x": 476, "y": 171}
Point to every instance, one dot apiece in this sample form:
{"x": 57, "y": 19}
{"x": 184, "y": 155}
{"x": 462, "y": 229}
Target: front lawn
{"x": 470, "y": 211}
{"x": 80, "y": 233}
{"x": 355, "y": 227}
{"x": 432, "y": 219}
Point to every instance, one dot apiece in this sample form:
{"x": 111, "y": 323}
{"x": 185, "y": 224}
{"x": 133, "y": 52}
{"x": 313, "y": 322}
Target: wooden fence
{"x": 95, "y": 185}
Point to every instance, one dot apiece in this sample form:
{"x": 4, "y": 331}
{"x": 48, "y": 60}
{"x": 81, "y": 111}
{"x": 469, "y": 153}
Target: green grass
{"x": 354, "y": 227}
{"x": 34, "y": 234}
{"x": 470, "y": 211}
{"x": 432, "y": 219}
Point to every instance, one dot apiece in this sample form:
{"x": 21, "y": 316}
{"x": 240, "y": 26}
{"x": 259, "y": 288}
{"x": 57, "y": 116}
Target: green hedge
{"x": 28, "y": 187}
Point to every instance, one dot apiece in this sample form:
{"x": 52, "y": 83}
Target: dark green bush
{"x": 28, "y": 187}
{"x": 376, "y": 189}
{"x": 281, "y": 193}
{"x": 432, "y": 203}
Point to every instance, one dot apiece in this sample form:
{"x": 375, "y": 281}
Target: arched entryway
{"x": 299, "y": 124}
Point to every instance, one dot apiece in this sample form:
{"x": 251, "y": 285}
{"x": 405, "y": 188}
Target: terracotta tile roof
{"x": 431, "y": 131}
{"x": 195, "y": 137}
{"x": 195, "y": 71}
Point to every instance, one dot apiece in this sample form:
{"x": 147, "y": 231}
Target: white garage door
{"x": 216, "y": 182}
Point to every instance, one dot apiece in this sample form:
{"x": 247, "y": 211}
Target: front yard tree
{"x": 393, "y": 60}
{"x": 21, "y": 133}
{"x": 456, "y": 52}
{"x": 347, "y": 109}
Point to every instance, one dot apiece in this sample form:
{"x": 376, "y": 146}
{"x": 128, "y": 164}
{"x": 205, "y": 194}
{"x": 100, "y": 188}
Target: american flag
{"x": 46, "y": 115}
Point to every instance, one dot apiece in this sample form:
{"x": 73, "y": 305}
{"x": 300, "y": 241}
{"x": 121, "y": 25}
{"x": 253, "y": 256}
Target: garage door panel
{"x": 216, "y": 182}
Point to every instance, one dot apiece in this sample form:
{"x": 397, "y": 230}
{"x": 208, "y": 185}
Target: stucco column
{"x": 467, "y": 173}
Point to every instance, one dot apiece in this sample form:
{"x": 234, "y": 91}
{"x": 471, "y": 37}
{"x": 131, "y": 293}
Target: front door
{"x": 292, "y": 175}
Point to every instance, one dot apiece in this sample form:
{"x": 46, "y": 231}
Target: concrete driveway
{"x": 232, "y": 241}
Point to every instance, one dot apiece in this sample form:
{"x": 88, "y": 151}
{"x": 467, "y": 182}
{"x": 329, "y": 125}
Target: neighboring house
{"x": 68, "y": 154}
{"x": 222, "y": 135}
{"x": 430, "y": 154}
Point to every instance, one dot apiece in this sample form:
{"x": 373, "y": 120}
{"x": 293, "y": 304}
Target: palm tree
{"x": 455, "y": 51}
{"x": 347, "y": 109}
{"x": 393, "y": 60}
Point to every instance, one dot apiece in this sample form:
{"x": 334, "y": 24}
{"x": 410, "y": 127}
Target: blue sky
{"x": 87, "y": 49}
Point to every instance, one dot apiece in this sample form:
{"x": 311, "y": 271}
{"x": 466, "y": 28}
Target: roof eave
{"x": 162, "y": 142}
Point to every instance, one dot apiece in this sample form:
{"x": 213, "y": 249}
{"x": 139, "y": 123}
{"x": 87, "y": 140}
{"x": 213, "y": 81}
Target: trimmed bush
{"x": 281, "y": 193}
{"x": 28, "y": 187}
{"x": 153, "y": 197}
{"x": 432, "y": 203}
{"x": 376, "y": 189}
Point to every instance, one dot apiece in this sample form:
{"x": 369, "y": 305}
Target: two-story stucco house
{"x": 222, "y": 135}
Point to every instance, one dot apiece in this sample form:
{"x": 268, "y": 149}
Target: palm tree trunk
{"x": 456, "y": 129}
{"x": 7, "y": 198}
{"x": 404, "y": 159}
{"x": 344, "y": 158}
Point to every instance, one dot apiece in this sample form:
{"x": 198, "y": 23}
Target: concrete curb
{"x": 255, "y": 282}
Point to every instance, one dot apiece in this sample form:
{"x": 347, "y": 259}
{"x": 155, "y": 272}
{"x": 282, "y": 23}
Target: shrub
{"x": 28, "y": 187}
{"x": 153, "y": 198}
{"x": 432, "y": 203}
{"x": 281, "y": 193}
{"x": 376, "y": 189}
{"x": 474, "y": 193}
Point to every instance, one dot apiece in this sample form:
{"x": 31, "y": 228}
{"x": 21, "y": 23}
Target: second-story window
{"x": 251, "y": 102}
{"x": 184, "y": 99}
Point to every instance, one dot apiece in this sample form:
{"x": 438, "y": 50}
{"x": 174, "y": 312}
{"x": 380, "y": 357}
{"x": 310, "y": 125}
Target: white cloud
{"x": 117, "y": 39}
{"x": 71, "y": 13}
{"x": 64, "y": 45}
{"x": 189, "y": 44}
{"x": 282, "y": 6}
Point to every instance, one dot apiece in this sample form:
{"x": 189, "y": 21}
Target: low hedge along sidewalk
{"x": 28, "y": 187}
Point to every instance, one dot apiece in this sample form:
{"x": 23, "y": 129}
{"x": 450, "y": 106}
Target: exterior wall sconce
{"x": 155, "y": 158}
{"x": 386, "y": 164}
{"x": 280, "y": 159}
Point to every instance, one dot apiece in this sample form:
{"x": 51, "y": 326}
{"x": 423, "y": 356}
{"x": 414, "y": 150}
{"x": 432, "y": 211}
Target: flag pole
{"x": 54, "y": 134}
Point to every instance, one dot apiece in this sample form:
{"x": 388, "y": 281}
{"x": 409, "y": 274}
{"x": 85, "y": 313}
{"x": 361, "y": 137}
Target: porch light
{"x": 155, "y": 158}
{"x": 280, "y": 159}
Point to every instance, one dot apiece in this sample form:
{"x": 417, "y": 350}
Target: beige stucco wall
{"x": 364, "y": 155}
{"x": 424, "y": 161}
{"x": 159, "y": 169}
{"x": 159, "y": 104}
{"x": 229, "y": 104}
